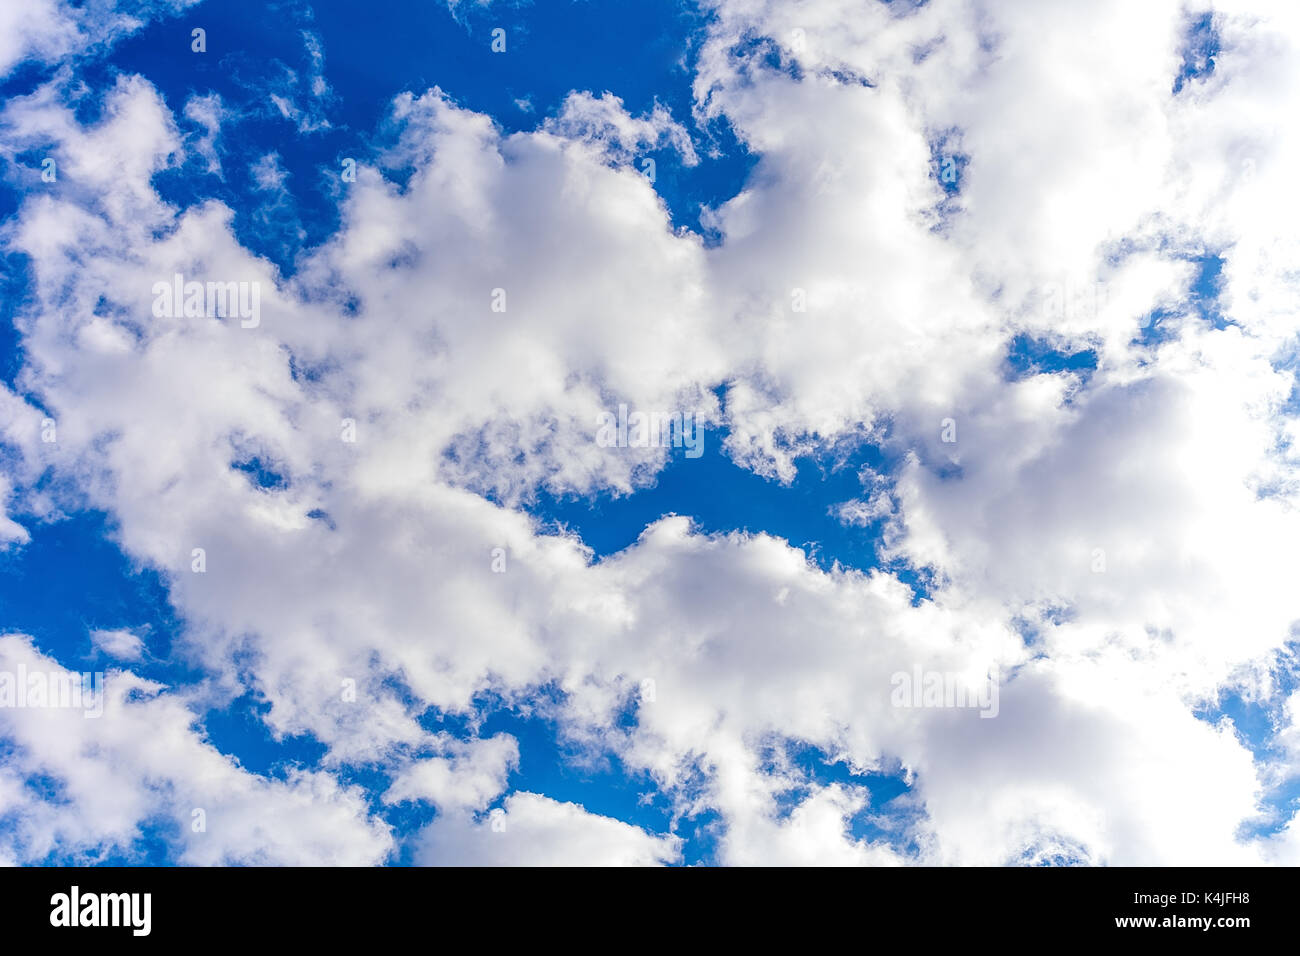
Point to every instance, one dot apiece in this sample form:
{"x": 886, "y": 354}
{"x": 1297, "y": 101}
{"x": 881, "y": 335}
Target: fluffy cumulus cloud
{"x": 97, "y": 782}
{"x": 348, "y": 460}
{"x": 542, "y": 833}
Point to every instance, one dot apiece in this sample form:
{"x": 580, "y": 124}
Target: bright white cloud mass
{"x": 946, "y": 201}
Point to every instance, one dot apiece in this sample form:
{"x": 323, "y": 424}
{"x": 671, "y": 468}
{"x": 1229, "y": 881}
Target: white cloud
{"x": 141, "y": 762}
{"x": 603, "y": 122}
{"x": 122, "y": 644}
{"x": 469, "y": 777}
{"x": 268, "y": 173}
{"x": 539, "y": 831}
{"x": 54, "y": 30}
{"x": 208, "y": 112}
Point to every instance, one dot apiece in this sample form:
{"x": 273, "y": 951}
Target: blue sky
{"x": 909, "y": 460}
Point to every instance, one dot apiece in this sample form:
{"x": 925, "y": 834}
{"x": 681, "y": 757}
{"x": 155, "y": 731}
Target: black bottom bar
{"x": 674, "y": 906}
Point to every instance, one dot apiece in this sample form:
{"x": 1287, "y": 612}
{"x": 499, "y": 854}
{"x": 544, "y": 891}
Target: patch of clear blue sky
{"x": 884, "y": 818}
{"x": 1256, "y": 723}
{"x": 721, "y": 496}
{"x": 70, "y": 579}
{"x": 1028, "y": 356}
{"x": 1200, "y": 47}
{"x": 1202, "y": 302}
{"x": 15, "y": 282}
